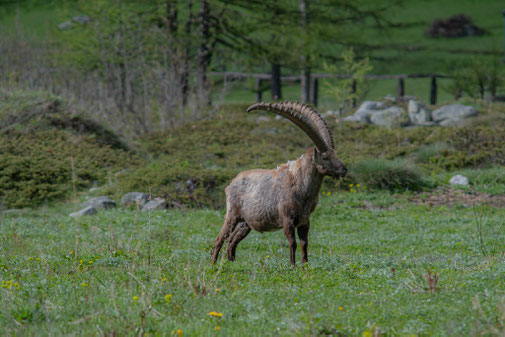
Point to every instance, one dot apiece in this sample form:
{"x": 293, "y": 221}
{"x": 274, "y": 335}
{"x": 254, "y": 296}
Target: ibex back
{"x": 268, "y": 200}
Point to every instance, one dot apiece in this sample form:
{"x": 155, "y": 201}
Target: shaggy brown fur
{"x": 284, "y": 198}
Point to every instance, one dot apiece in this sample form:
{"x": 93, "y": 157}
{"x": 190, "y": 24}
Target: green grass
{"x": 367, "y": 271}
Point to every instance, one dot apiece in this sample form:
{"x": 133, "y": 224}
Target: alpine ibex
{"x": 268, "y": 200}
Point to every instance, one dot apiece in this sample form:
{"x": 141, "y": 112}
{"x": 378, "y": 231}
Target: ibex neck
{"x": 308, "y": 178}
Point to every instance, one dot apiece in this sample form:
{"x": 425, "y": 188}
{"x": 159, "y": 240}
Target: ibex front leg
{"x": 289, "y": 231}
{"x": 303, "y": 235}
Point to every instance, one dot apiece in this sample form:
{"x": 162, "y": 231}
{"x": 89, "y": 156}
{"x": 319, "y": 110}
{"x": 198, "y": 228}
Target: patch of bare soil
{"x": 445, "y": 196}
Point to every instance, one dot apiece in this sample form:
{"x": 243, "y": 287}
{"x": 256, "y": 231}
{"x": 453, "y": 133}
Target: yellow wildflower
{"x": 218, "y": 328}
{"x": 84, "y": 284}
{"x": 168, "y": 298}
{"x": 179, "y": 332}
{"x": 215, "y": 314}
{"x": 268, "y": 256}
{"x": 135, "y": 298}
{"x": 163, "y": 280}
{"x": 217, "y": 290}
{"x": 30, "y": 258}
{"x": 367, "y": 334}
{"x": 351, "y": 185}
{"x": 340, "y": 308}
{"x": 37, "y": 258}
{"x": 91, "y": 262}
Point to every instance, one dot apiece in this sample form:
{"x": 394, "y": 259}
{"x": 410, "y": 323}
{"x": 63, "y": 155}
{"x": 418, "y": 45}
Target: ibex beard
{"x": 284, "y": 198}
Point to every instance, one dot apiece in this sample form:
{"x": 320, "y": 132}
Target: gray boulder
{"x": 131, "y": 198}
{"x": 390, "y": 117}
{"x": 418, "y": 113}
{"x": 90, "y": 210}
{"x": 82, "y": 19}
{"x": 459, "y": 180}
{"x": 365, "y": 111}
{"x": 102, "y": 202}
{"x": 155, "y": 204}
{"x": 454, "y": 112}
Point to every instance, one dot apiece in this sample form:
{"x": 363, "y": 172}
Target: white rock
{"x": 453, "y": 112}
{"x": 90, "y": 210}
{"x": 100, "y": 202}
{"x": 459, "y": 180}
{"x": 155, "y": 204}
{"x": 391, "y": 117}
{"x": 418, "y": 113}
{"x": 365, "y": 110}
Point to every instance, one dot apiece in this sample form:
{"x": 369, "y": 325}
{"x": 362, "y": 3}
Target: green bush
{"x": 37, "y": 167}
{"x": 388, "y": 174}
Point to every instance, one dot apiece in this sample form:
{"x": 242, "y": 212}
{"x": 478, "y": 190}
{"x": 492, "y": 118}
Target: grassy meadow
{"x": 394, "y": 249}
{"x": 128, "y": 273}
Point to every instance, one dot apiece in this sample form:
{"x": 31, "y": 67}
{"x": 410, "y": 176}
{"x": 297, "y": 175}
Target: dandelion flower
{"x": 218, "y": 328}
{"x": 217, "y": 290}
{"x": 168, "y": 298}
{"x": 268, "y": 256}
{"x": 135, "y": 298}
{"x": 215, "y": 314}
{"x": 179, "y": 332}
{"x": 37, "y": 258}
{"x": 30, "y": 258}
{"x": 340, "y": 308}
{"x": 163, "y": 280}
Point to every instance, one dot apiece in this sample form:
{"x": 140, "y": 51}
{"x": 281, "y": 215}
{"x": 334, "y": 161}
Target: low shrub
{"x": 388, "y": 174}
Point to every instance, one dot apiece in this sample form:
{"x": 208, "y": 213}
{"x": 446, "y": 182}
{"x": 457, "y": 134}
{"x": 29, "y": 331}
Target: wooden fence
{"x": 260, "y": 77}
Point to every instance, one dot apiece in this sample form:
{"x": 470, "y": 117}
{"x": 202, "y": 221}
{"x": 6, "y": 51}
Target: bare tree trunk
{"x": 185, "y": 57}
{"x": 204, "y": 53}
{"x": 305, "y": 75}
{"x": 275, "y": 82}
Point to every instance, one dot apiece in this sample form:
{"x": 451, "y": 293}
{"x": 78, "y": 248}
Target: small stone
{"x": 82, "y": 19}
{"x": 65, "y": 25}
{"x": 459, "y": 180}
{"x": 131, "y": 198}
{"x": 100, "y": 202}
{"x": 90, "y": 210}
{"x": 155, "y": 204}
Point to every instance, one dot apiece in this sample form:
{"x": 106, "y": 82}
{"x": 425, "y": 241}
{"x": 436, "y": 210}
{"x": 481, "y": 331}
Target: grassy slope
{"x": 348, "y": 287}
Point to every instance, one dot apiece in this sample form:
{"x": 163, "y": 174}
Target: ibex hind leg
{"x": 229, "y": 225}
{"x": 238, "y": 235}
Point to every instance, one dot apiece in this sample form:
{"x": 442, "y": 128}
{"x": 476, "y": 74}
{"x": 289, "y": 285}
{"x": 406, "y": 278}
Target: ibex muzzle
{"x": 284, "y": 198}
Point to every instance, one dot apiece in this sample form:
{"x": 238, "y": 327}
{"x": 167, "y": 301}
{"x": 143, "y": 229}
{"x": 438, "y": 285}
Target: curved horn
{"x": 299, "y": 115}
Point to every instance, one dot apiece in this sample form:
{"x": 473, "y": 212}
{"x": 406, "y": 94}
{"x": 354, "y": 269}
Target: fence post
{"x": 315, "y": 89}
{"x": 433, "y": 90}
{"x": 353, "y": 92}
{"x": 401, "y": 88}
{"x": 259, "y": 92}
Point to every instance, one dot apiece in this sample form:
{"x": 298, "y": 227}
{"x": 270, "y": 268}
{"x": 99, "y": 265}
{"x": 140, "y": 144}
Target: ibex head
{"x": 328, "y": 164}
{"x": 316, "y": 128}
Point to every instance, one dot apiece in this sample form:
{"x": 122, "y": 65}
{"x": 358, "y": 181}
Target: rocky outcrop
{"x": 377, "y": 113}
